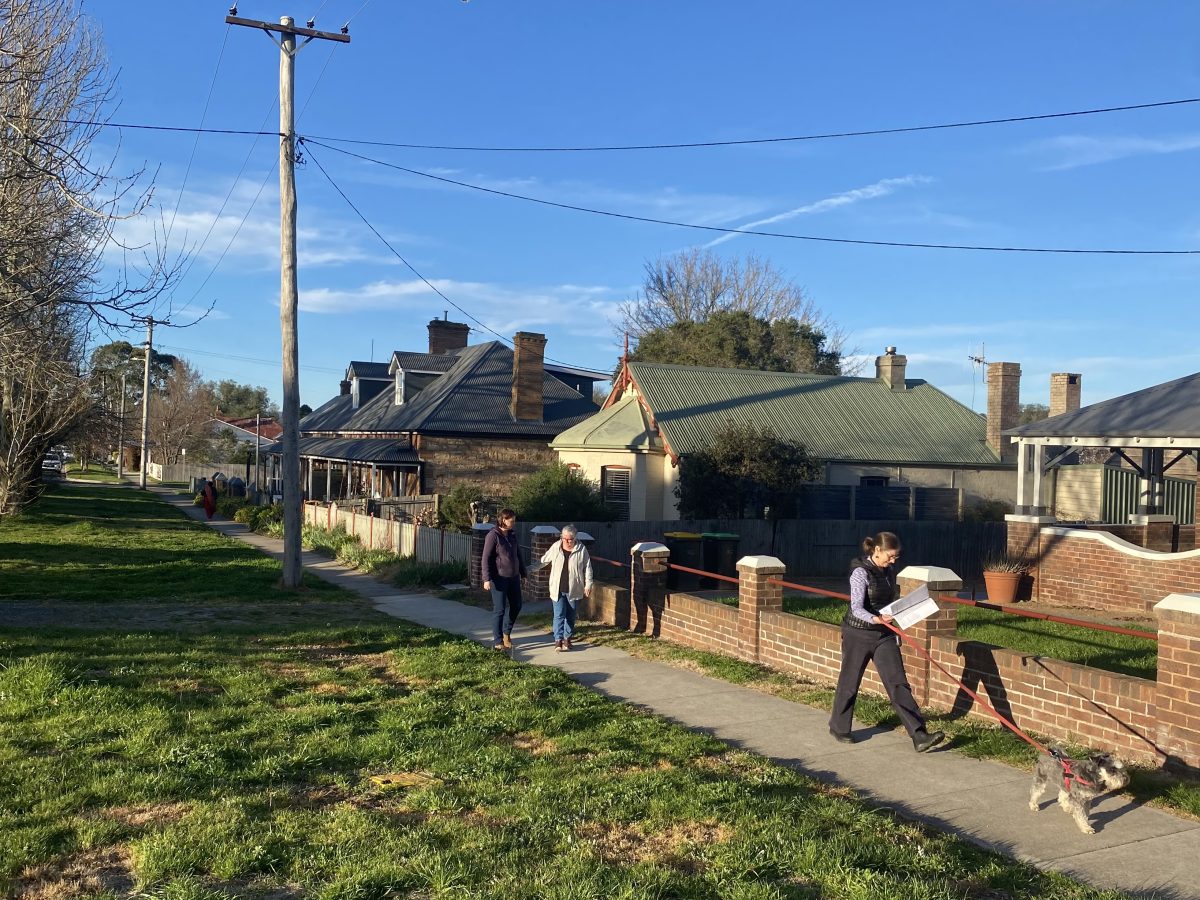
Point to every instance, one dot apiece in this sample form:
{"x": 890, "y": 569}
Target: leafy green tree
{"x": 236, "y": 400}
{"x": 743, "y": 471}
{"x": 557, "y": 494}
{"x": 739, "y": 340}
{"x": 1032, "y": 412}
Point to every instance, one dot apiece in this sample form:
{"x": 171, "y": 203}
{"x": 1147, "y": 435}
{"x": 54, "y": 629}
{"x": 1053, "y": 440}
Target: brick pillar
{"x": 1064, "y": 392}
{"x": 537, "y": 585}
{"x": 1024, "y": 541}
{"x": 1177, "y": 705}
{"x": 755, "y": 596}
{"x": 1004, "y": 406}
{"x": 475, "y": 564}
{"x": 648, "y": 586}
{"x": 941, "y": 583}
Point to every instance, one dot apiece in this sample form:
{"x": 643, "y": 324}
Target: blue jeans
{"x": 506, "y": 605}
{"x": 564, "y": 617}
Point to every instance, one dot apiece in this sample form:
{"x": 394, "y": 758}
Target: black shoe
{"x": 928, "y": 740}
{"x": 841, "y": 738}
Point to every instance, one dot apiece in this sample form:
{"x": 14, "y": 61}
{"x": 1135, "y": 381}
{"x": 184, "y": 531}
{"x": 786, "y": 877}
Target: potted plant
{"x": 1002, "y": 575}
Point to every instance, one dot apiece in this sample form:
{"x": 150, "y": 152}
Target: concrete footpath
{"x": 1140, "y": 851}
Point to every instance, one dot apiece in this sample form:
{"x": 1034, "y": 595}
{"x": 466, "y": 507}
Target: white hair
{"x": 570, "y": 529}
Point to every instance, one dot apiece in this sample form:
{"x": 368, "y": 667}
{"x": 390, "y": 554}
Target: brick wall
{"x": 1047, "y": 696}
{"x": 608, "y": 603}
{"x": 1004, "y": 406}
{"x": 494, "y": 464}
{"x": 704, "y": 624}
{"x": 1095, "y": 569}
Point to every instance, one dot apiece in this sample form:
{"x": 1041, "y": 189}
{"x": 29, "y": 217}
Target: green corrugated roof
{"x": 834, "y": 417}
{"x": 623, "y": 426}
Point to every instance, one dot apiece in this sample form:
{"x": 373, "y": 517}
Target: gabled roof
{"x": 422, "y": 362}
{"x": 472, "y": 398}
{"x": 367, "y": 370}
{"x": 265, "y": 427}
{"x": 331, "y": 415}
{"x": 622, "y": 426}
{"x": 834, "y": 417}
{"x": 1169, "y": 410}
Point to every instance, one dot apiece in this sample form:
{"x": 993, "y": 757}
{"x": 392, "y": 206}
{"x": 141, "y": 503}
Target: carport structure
{"x": 1152, "y": 429}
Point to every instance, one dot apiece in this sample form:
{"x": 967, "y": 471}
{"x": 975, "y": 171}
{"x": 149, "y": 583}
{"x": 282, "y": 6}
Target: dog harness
{"x": 1068, "y": 773}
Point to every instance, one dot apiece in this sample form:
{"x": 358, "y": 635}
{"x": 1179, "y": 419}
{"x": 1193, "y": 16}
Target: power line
{"x": 832, "y": 135}
{"x": 250, "y": 359}
{"x": 195, "y": 143}
{"x": 872, "y": 132}
{"x": 775, "y": 234}
{"x": 409, "y": 265}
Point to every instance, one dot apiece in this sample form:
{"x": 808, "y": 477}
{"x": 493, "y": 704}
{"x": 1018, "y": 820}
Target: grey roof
{"x": 473, "y": 397}
{"x": 424, "y": 362}
{"x": 834, "y": 417}
{"x": 376, "y": 450}
{"x": 1165, "y": 410}
{"x": 329, "y": 416}
{"x": 367, "y": 369}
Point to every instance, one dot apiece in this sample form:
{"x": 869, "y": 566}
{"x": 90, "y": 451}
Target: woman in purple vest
{"x": 866, "y": 638}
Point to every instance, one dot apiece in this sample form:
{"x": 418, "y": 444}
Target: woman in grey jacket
{"x": 570, "y": 580}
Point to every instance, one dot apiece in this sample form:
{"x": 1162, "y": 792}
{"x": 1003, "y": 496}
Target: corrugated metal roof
{"x": 376, "y": 450}
{"x": 329, "y": 416}
{"x": 367, "y": 369}
{"x": 623, "y": 426}
{"x": 472, "y": 398}
{"x": 835, "y": 418}
{"x": 424, "y": 362}
{"x": 1171, "y": 409}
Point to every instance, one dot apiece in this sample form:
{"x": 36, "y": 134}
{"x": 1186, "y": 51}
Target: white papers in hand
{"x": 911, "y": 608}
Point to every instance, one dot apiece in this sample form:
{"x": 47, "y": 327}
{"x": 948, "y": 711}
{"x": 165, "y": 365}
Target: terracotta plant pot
{"x": 1002, "y": 587}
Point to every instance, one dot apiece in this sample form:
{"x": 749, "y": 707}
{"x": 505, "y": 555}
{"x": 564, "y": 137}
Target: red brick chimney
{"x": 529, "y": 354}
{"x": 1064, "y": 392}
{"x": 1004, "y": 406}
{"x": 344, "y": 388}
{"x": 890, "y": 369}
{"x": 446, "y": 337}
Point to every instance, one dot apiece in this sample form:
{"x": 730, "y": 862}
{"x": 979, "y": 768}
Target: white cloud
{"x": 880, "y": 188}
{"x": 566, "y": 308}
{"x": 1074, "y": 150}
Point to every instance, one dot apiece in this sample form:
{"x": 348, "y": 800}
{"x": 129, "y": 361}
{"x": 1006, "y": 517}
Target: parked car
{"x": 51, "y": 464}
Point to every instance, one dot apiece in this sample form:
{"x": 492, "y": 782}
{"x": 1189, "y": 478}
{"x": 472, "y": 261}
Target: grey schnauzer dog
{"x": 1079, "y": 782}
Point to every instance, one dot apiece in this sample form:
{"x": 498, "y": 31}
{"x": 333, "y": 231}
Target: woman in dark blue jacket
{"x": 502, "y": 570}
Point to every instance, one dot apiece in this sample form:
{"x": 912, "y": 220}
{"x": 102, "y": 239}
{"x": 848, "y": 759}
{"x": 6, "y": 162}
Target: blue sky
{"x": 525, "y": 73}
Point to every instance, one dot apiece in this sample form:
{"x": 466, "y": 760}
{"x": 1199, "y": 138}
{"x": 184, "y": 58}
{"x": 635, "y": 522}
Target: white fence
{"x": 426, "y": 544}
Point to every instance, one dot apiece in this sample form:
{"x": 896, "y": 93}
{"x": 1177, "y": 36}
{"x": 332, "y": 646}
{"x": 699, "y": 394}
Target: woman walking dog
{"x": 866, "y": 638}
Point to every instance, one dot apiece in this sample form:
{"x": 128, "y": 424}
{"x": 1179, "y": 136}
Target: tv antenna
{"x": 979, "y": 362}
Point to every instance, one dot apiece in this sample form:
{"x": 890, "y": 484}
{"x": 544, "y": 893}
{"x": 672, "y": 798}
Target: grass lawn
{"x": 98, "y": 472}
{"x": 178, "y": 743}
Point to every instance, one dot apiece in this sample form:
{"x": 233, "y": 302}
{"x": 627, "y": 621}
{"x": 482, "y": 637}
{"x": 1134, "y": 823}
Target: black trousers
{"x": 859, "y": 647}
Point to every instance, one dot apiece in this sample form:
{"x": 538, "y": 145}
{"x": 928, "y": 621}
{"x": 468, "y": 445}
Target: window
{"x": 614, "y": 487}
{"x": 875, "y": 481}
{"x": 575, "y": 469}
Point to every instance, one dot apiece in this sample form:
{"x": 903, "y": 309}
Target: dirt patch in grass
{"x": 152, "y": 814}
{"x": 107, "y": 869}
{"x": 534, "y": 744}
{"x": 627, "y": 844}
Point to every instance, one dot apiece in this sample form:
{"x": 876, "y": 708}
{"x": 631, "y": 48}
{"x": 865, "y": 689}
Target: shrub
{"x": 227, "y": 506}
{"x": 247, "y": 515}
{"x": 455, "y": 507}
{"x": 557, "y": 494}
{"x": 268, "y": 518}
{"x": 410, "y": 572}
{"x": 987, "y": 511}
{"x": 198, "y": 500}
{"x": 1002, "y": 562}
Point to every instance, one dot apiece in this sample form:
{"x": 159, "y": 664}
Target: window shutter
{"x": 614, "y": 485}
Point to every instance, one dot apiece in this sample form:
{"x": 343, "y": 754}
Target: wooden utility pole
{"x": 146, "y": 404}
{"x": 288, "y": 290}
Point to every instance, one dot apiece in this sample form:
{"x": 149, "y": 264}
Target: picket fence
{"x": 426, "y": 544}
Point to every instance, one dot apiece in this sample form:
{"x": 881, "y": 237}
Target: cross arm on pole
{"x": 309, "y": 33}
